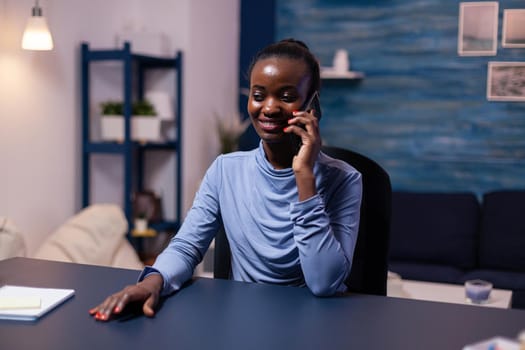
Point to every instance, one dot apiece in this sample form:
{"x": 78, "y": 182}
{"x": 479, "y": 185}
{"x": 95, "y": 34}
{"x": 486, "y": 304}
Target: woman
{"x": 291, "y": 213}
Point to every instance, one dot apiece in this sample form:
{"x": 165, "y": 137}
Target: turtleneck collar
{"x": 267, "y": 167}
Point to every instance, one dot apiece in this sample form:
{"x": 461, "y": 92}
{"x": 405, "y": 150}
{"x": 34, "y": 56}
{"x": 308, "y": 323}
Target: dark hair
{"x": 294, "y": 49}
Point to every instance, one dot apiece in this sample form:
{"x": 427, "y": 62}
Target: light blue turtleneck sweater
{"x": 273, "y": 237}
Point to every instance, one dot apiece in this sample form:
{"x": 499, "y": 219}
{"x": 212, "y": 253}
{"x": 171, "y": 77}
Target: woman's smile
{"x": 271, "y": 125}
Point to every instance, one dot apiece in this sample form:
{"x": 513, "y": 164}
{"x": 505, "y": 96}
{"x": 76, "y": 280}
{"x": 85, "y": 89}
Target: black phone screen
{"x": 314, "y": 103}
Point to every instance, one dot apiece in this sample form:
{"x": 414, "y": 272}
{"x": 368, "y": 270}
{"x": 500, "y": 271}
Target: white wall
{"x": 40, "y": 175}
{"x": 212, "y": 88}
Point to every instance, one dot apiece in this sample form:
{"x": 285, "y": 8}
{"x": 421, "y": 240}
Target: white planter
{"x": 143, "y": 128}
{"x": 112, "y": 128}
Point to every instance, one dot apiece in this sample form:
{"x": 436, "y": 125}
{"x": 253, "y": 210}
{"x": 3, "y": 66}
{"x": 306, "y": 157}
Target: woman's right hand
{"x": 146, "y": 292}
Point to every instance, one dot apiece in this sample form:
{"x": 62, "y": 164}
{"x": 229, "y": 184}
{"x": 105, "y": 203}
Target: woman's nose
{"x": 270, "y": 107}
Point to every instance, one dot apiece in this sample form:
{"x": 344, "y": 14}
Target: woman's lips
{"x": 271, "y": 125}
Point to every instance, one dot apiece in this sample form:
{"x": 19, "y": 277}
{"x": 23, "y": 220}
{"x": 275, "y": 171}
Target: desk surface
{"x": 219, "y": 314}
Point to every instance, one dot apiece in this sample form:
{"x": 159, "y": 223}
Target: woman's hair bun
{"x": 294, "y": 41}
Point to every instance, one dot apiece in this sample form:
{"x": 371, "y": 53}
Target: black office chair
{"x": 370, "y": 266}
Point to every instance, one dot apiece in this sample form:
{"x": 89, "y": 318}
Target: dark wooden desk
{"x": 220, "y": 314}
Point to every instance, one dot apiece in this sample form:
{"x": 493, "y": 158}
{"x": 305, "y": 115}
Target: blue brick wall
{"x": 421, "y": 110}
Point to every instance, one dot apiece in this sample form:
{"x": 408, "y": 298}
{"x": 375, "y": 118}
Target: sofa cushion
{"x": 435, "y": 228}
{"x": 93, "y": 236}
{"x": 126, "y": 257}
{"x": 11, "y": 240}
{"x": 502, "y": 240}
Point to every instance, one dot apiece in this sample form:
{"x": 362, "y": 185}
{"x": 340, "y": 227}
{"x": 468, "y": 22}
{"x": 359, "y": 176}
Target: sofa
{"x": 95, "y": 236}
{"x": 455, "y": 237}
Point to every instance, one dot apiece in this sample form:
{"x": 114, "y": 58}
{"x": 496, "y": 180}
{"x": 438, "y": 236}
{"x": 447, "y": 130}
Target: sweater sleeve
{"x": 326, "y": 236}
{"x": 187, "y": 248}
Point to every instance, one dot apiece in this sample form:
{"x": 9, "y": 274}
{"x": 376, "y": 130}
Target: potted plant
{"x": 112, "y": 123}
{"x": 230, "y": 130}
{"x": 112, "y": 108}
{"x": 144, "y": 124}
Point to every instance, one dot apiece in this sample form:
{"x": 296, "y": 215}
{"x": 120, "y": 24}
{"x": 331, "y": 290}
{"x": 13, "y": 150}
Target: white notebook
{"x": 21, "y": 303}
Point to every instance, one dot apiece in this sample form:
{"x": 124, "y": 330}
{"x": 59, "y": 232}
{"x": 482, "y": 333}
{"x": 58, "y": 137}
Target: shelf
{"x": 120, "y": 147}
{"x": 121, "y": 54}
{"x": 143, "y": 234}
{"x": 164, "y": 225}
{"x": 329, "y": 74}
{"x": 136, "y": 67}
{"x": 155, "y": 227}
{"x": 156, "y": 62}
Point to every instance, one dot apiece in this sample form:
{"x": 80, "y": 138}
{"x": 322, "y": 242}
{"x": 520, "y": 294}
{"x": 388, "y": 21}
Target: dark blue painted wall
{"x": 421, "y": 110}
{"x": 257, "y": 31}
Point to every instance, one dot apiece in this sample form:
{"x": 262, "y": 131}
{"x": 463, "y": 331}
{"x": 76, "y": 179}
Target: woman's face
{"x": 278, "y": 86}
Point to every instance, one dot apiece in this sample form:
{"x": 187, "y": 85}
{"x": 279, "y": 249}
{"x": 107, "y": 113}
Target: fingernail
{"x": 286, "y": 129}
{"x": 116, "y": 309}
{"x": 294, "y": 112}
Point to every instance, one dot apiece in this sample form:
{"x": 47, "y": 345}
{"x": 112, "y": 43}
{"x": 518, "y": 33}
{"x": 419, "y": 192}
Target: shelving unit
{"x": 133, "y": 152}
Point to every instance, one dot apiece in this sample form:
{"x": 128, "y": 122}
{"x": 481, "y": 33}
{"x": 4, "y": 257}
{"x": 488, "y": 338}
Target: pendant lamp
{"x": 37, "y": 35}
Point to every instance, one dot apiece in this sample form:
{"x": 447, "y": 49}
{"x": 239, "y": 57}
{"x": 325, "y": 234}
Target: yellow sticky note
{"x": 13, "y": 303}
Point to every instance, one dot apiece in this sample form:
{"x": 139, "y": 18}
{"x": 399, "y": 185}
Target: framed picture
{"x": 506, "y": 81}
{"x": 478, "y": 28}
{"x": 513, "y": 28}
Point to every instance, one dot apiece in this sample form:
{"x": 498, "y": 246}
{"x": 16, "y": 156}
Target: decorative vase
{"x": 341, "y": 62}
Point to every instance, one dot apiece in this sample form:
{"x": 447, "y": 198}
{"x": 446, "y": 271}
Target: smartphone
{"x": 312, "y": 103}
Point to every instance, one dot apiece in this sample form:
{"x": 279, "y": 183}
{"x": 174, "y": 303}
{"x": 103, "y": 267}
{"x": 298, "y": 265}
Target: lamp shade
{"x": 37, "y": 35}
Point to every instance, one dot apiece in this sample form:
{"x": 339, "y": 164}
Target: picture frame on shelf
{"x": 513, "y": 35}
{"x": 506, "y": 81}
{"x": 478, "y": 28}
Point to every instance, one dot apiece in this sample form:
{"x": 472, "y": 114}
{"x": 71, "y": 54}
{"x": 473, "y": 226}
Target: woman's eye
{"x": 289, "y": 98}
{"x": 258, "y": 96}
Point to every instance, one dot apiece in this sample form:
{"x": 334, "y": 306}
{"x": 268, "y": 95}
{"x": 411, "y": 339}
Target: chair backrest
{"x": 369, "y": 266}
{"x": 221, "y": 256}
